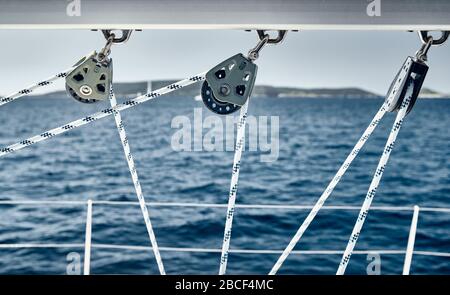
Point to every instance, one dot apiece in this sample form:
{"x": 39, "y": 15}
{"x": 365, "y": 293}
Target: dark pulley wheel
{"x": 215, "y": 105}
{"x": 74, "y": 95}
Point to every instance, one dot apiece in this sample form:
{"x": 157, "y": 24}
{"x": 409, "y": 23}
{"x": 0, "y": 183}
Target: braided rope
{"x": 240, "y": 143}
{"x": 99, "y": 115}
{"x": 137, "y": 185}
{"x": 319, "y": 204}
{"x": 375, "y": 180}
{"x": 30, "y": 89}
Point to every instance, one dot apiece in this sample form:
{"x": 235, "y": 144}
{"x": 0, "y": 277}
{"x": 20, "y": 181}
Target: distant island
{"x": 132, "y": 89}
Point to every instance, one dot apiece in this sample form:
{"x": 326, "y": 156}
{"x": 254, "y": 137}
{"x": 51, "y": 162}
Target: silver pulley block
{"x": 409, "y": 79}
{"x": 91, "y": 79}
{"x": 229, "y": 84}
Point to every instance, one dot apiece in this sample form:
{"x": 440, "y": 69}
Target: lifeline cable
{"x": 101, "y": 114}
{"x": 30, "y": 89}
{"x": 240, "y": 143}
{"x": 319, "y": 204}
{"x": 375, "y": 181}
{"x": 137, "y": 185}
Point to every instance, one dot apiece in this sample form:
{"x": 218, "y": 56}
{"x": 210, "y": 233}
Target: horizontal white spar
{"x": 231, "y": 14}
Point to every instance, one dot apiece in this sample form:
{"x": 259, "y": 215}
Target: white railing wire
{"x": 217, "y": 205}
{"x": 211, "y": 250}
{"x": 217, "y": 250}
{"x": 411, "y": 240}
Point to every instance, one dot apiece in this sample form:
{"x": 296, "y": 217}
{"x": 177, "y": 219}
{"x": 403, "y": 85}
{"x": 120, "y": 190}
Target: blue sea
{"x": 315, "y": 136}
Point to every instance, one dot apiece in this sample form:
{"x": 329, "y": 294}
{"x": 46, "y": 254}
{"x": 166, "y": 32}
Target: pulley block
{"x": 91, "y": 79}
{"x": 229, "y": 84}
{"x": 410, "y": 78}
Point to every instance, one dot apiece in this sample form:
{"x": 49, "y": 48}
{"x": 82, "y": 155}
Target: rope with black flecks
{"x": 99, "y": 115}
{"x": 341, "y": 172}
{"x": 326, "y": 194}
{"x": 31, "y": 88}
{"x": 240, "y": 143}
{"x": 137, "y": 185}
{"x": 375, "y": 181}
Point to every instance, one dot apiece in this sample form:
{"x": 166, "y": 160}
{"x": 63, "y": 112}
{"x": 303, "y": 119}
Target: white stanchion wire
{"x": 240, "y": 143}
{"x": 325, "y": 195}
{"x": 375, "y": 181}
{"x": 99, "y": 115}
{"x": 137, "y": 186}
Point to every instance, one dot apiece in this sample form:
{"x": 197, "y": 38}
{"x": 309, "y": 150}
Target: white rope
{"x": 30, "y": 89}
{"x": 375, "y": 180}
{"x": 137, "y": 185}
{"x": 319, "y": 204}
{"x": 240, "y": 143}
{"x": 99, "y": 115}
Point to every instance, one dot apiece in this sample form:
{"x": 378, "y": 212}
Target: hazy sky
{"x": 306, "y": 59}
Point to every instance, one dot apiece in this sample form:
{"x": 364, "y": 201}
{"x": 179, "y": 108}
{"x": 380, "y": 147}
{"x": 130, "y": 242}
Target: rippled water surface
{"x": 315, "y": 136}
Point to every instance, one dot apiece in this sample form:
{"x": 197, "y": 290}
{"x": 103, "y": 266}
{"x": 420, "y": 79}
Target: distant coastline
{"x": 133, "y": 89}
